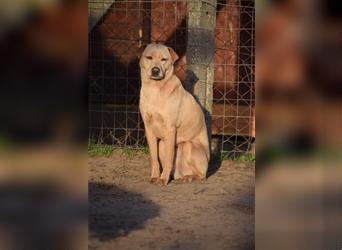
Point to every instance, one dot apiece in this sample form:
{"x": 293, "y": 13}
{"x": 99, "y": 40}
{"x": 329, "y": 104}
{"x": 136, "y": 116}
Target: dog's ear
{"x": 173, "y": 54}
{"x": 141, "y": 51}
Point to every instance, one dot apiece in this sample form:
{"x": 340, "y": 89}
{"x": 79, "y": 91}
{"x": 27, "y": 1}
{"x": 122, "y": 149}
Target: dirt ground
{"x": 127, "y": 212}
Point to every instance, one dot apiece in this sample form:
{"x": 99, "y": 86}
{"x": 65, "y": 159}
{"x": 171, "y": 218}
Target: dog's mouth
{"x": 157, "y": 78}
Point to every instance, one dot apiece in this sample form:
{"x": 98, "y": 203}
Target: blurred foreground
{"x": 298, "y": 185}
{"x": 43, "y": 174}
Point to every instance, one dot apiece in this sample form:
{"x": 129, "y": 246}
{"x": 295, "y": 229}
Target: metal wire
{"x": 122, "y": 26}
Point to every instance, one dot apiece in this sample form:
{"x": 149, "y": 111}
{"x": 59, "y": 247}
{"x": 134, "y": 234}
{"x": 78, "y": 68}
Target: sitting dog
{"x": 174, "y": 122}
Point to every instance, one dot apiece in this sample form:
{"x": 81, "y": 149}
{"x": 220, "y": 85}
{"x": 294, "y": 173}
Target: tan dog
{"x": 173, "y": 119}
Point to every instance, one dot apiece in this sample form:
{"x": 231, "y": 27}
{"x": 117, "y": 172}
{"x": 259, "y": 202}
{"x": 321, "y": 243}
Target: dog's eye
{"x": 164, "y": 59}
{"x": 149, "y": 57}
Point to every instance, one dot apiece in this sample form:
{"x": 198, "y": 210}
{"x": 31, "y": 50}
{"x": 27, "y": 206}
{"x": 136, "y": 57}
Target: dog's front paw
{"x": 154, "y": 180}
{"x": 162, "y": 182}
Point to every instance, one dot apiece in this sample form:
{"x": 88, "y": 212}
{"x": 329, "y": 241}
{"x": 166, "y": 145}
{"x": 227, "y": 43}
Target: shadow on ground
{"x": 114, "y": 212}
{"x": 213, "y": 166}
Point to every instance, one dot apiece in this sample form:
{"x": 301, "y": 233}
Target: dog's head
{"x": 157, "y": 60}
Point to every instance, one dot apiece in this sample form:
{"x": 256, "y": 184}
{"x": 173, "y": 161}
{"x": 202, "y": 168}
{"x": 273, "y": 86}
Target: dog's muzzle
{"x": 156, "y": 74}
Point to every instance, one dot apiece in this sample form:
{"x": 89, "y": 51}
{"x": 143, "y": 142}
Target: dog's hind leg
{"x": 195, "y": 161}
{"x": 179, "y": 170}
{"x": 200, "y": 159}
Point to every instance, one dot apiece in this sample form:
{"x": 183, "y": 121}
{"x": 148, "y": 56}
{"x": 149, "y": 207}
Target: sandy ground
{"x": 126, "y": 212}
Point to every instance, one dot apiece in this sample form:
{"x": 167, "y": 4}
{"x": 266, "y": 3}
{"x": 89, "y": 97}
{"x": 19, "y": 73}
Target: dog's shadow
{"x": 214, "y": 163}
{"x": 114, "y": 212}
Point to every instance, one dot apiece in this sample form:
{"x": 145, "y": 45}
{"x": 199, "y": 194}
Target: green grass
{"x": 245, "y": 158}
{"x": 100, "y": 150}
{"x": 131, "y": 153}
{"x": 96, "y": 149}
{"x": 226, "y": 156}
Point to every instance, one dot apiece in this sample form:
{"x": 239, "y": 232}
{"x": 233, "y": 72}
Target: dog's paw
{"x": 202, "y": 180}
{"x": 162, "y": 182}
{"x": 153, "y": 180}
{"x": 187, "y": 178}
{"x": 191, "y": 178}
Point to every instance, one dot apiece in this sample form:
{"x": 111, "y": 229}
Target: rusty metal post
{"x": 201, "y": 53}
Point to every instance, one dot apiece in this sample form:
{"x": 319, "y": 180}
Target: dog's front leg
{"x": 153, "y": 146}
{"x": 169, "y": 152}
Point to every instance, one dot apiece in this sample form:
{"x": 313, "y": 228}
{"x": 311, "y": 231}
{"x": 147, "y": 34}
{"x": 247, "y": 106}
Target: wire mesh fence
{"x": 119, "y": 28}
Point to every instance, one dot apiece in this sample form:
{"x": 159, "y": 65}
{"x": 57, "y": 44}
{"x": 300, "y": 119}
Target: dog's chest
{"x": 158, "y": 109}
{"x": 154, "y": 119}
{"x": 154, "y": 116}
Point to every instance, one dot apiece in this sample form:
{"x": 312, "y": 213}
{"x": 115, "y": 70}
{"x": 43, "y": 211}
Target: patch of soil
{"x": 127, "y": 212}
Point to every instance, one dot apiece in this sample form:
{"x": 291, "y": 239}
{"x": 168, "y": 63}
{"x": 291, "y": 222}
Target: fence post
{"x": 96, "y": 10}
{"x": 201, "y": 54}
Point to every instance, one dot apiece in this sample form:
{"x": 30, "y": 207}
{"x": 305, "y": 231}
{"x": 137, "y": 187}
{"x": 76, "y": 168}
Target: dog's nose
{"x": 155, "y": 71}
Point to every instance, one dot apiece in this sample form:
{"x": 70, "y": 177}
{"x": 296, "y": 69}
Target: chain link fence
{"x": 117, "y": 29}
